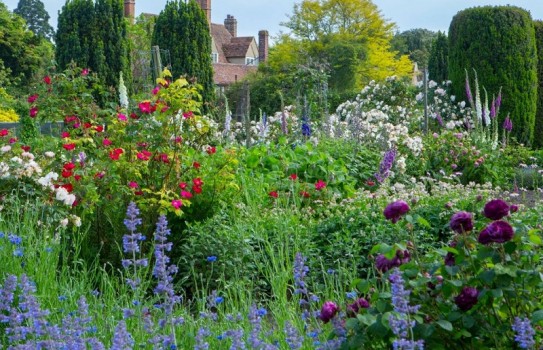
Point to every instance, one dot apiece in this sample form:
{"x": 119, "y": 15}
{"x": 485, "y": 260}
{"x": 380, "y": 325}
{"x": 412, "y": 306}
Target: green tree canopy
{"x": 416, "y": 43}
{"x": 182, "y": 28}
{"x": 36, "y": 17}
{"x": 21, "y": 52}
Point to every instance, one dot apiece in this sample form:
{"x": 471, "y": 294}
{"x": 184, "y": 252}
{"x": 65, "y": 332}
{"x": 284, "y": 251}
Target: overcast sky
{"x": 254, "y": 15}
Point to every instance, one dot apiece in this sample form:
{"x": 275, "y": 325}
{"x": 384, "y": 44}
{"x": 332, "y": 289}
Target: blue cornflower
{"x": 211, "y": 258}
{"x": 351, "y": 295}
{"x": 219, "y": 300}
{"x": 14, "y": 239}
{"x": 62, "y": 298}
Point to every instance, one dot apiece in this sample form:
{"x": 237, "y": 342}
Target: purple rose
{"x": 496, "y": 209}
{"x": 513, "y": 208}
{"x": 361, "y": 303}
{"x": 461, "y": 222}
{"x": 496, "y": 232}
{"x": 467, "y": 298}
{"x": 383, "y": 264}
{"x": 328, "y": 311}
{"x": 394, "y": 211}
{"x": 449, "y": 258}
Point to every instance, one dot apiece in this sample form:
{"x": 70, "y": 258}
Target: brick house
{"x": 233, "y": 56}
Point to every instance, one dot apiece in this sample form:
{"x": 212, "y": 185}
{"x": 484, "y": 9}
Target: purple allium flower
{"x": 507, "y": 124}
{"x": 524, "y": 333}
{"x": 328, "y": 311}
{"x": 467, "y": 298}
{"x": 496, "y": 232}
{"x": 394, "y": 211}
{"x": 383, "y": 264}
{"x": 496, "y": 209}
{"x": 361, "y": 303}
{"x": 293, "y": 337}
{"x": 461, "y": 222}
{"x": 386, "y": 165}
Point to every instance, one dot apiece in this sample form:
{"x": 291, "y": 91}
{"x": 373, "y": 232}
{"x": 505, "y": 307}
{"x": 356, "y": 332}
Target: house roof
{"x": 228, "y": 73}
{"x": 220, "y": 36}
{"x": 238, "y": 46}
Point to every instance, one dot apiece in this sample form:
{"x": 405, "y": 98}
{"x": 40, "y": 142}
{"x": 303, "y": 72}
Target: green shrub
{"x": 499, "y": 43}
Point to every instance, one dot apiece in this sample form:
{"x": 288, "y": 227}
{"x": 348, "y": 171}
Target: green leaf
{"x": 363, "y": 286}
{"x": 487, "y": 276}
{"x": 535, "y": 238}
{"x": 446, "y": 325}
{"x": 423, "y": 222}
{"x": 537, "y": 316}
{"x": 351, "y": 324}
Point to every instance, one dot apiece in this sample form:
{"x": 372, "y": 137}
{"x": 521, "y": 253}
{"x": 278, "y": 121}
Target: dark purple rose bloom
{"x": 496, "y": 232}
{"x": 383, "y": 264}
{"x": 496, "y": 209}
{"x": 467, "y": 298}
{"x": 353, "y": 308}
{"x": 513, "y": 208}
{"x": 449, "y": 258}
{"x": 394, "y": 211}
{"x": 462, "y": 222}
{"x": 328, "y": 311}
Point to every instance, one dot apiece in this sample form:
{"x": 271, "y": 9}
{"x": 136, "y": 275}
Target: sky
{"x": 254, "y": 15}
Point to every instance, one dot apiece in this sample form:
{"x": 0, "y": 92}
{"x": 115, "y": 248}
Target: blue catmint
{"x": 255, "y": 318}
{"x": 293, "y": 337}
{"x": 400, "y": 322}
{"x": 201, "y": 343}
{"x": 237, "y": 339}
{"x": 524, "y": 333}
{"x": 122, "y": 339}
{"x": 131, "y": 243}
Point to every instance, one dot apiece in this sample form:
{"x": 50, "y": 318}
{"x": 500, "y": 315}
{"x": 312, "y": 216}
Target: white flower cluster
{"x": 62, "y": 195}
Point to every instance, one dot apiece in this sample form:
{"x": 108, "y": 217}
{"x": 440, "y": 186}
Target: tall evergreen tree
{"x": 94, "y": 35}
{"x": 439, "y": 58}
{"x": 538, "y": 136}
{"x": 499, "y": 43}
{"x": 182, "y": 28}
{"x": 36, "y": 17}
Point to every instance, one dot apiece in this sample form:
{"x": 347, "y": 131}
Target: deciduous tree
{"x": 36, "y": 17}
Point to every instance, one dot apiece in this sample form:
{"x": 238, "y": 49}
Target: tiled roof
{"x": 221, "y": 36}
{"x": 238, "y": 46}
{"x": 228, "y": 73}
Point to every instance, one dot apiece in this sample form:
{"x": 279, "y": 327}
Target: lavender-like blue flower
{"x": 122, "y": 339}
{"x": 237, "y": 339}
{"x": 131, "y": 243}
{"x": 294, "y": 339}
{"x": 164, "y": 273}
{"x": 201, "y": 343}
{"x": 400, "y": 322}
{"x": 306, "y": 129}
{"x": 524, "y": 333}
{"x": 439, "y": 119}
{"x": 386, "y": 165}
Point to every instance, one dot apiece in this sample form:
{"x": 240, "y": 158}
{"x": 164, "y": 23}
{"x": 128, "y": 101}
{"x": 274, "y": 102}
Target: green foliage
{"x": 21, "y": 52}
{"x": 140, "y": 35}
{"x": 416, "y": 43}
{"x": 36, "y": 17}
{"x": 438, "y": 61}
{"x": 189, "y": 44}
{"x": 538, "y": 133}
{"x": 94, "y": 36}
{"x": 499, "y": 43}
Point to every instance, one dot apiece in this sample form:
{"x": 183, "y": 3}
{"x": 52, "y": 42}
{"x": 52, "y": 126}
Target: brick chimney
{"x": 263, "y": 37}
{"x": 206, "y": 7}
{"x": 130, "y": 10}
{"x": 231, "y": 24}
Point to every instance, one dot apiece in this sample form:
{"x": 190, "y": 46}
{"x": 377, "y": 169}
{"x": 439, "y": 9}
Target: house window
{"x": 250, "y": 61}
{"x": 214, "y": 57}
